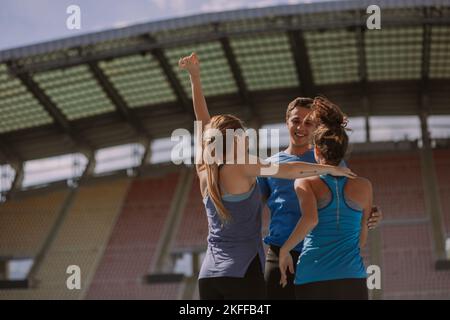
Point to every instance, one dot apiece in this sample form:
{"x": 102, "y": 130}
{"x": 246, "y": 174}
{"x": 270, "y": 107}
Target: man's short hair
{"x": 297, "y": 103}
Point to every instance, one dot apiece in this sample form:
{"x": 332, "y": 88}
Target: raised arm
{"x": 307, "y": 222}
{"x": 292, "y": 170}
{"x": 192, "y": 65}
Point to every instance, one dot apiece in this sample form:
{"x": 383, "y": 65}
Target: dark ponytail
{"x": 330, "y": 137}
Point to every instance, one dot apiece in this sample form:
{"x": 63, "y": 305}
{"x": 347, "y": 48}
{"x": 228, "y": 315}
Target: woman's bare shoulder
{"x": 361, "y": 184}
{"x": 310, "y": 182}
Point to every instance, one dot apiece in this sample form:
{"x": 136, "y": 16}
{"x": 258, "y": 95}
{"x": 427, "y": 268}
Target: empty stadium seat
{"x": 26, "y": 221}
{"x": 129, "y": 254}
{"x": 407, "y": 263}
{"x": 79, "y": 241}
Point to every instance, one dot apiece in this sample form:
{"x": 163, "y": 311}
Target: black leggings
{"x": 272, "y": 276}
{"x": 250, "y": 287}
{"x": 341, "y": 289}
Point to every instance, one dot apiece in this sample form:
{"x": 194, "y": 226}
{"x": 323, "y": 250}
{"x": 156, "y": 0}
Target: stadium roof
{"x": 123, "y": 85}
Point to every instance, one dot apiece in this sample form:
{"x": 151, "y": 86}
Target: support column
{"x": 145, "y": 160}
{"x": 430, "y": 183}
{"x": 3, "y": 269}
{"x": 18, "y": 178}
{"x": 190, "y": 287}
{"x": 366, "y": 106}
{"x": 90, "y": 167}
{"x": 173, "y": 220}
{"x": 50, "y": 239}
{"x": 376, "y": 258}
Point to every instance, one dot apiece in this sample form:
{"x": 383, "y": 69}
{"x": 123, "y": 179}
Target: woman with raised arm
{"x": 234, "y": 260}
{"x": 334, "y": 221}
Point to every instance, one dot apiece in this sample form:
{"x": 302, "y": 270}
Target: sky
{"x": 24, "y": 22}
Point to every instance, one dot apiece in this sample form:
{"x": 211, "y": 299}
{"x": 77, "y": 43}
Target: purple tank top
{"x": 233, "y": 246}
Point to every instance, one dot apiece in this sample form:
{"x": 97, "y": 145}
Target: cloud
{"x": 265, "y": 3}
{"x": 121, "y": 24}
{"x": 179, "y": 6}
{"x": 161, "y": 4}
{"x": 222, "y": 5}
{"x": 176, "y": 6}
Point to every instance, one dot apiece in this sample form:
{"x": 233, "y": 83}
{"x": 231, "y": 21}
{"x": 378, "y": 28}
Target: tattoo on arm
{"x": 313, "y": 171}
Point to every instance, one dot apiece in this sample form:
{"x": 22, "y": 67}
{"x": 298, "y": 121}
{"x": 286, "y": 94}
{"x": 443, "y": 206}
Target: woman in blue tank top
{"x": 233, "y": 265}
{"x": 334, "y": 221}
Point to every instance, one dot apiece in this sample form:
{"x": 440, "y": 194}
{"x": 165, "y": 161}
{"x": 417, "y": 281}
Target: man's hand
{"x": 342, "y": 172}
{"x": 286, "y": 264}
{"x": 375, "y": 218}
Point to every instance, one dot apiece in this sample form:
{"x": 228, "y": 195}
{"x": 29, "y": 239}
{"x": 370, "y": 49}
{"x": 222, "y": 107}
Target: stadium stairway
{"x": 79, "y": 240}
{"x": 26, "y": 220}
{"x": 161, "y": 263}
{"x": 25, "y": 223}
{"x": 135, "y": 242}
{"x": 191, "y": 236}
{"x": 84, "y": 234}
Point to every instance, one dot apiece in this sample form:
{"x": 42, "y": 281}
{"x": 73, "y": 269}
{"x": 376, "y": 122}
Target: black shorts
{"x": 340, "y": 289}
{"x": 250, "y": 287}
{"x": 272, "y": 276}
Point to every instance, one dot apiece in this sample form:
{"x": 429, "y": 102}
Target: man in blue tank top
{"x": 282, "y": 200}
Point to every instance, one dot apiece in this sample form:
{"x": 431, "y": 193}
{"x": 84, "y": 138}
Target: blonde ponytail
{"x": 217, "y": 126}
{"x": 212, "y": 171}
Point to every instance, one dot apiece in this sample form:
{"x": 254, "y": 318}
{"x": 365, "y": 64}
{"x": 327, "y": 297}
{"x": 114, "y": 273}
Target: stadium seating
{"x": 133, "y": 242}
{"x": 79, "y": 241}
{"x": 407, "y": 255}
{"x": 442, "y": 162}
{"x": 113, "y": 228}
{"x": 408, "y": 264}
{"x": 26, "y": 221}
{"x": 397, "y": 183}
{"x": 193, "y": 228}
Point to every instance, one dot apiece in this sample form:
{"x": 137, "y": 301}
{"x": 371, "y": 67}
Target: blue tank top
{"x": 282, "y": 200}
{"x": 232, "y": 246}
{"x": 331, "y": 250}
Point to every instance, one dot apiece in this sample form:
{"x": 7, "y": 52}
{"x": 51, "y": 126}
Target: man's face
{"x": 300, "y": 128}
